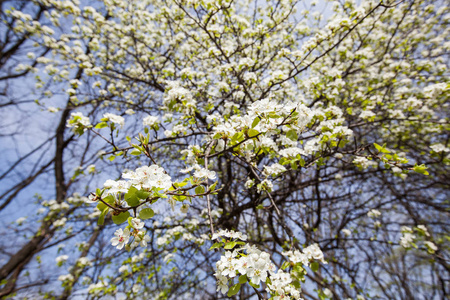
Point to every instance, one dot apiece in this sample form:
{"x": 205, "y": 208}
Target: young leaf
{"x": 101, "y": 125}
{"x": 243, "y": 279}
{"x": 234, "y": 290}
{"x": 120, "y": 218}
{"x": 216, "y": 245}
{"x": 292, "y": 135}
{"x": 253, "y": 132}
{"x": 422, "y": 169}
{"x": 101, "y": 219}
{"x": 314, "y": 266}
{"x": 146, "y": 213}
{"x": 230, "y": 245}
{"x": 256, "y": 122}
{"x": 131, "y": 198}
{"x": 381, "y": 149}
{"x": 109, "y": 199}
{"x": 135, "y": 152}
{"x": 256, "y": 286}
{"x": 142, "y": 194}
{"x": 200, "y": 189}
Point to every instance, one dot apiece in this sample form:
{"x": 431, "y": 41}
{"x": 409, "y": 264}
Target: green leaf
{"x": 256, "y": 122}
{"x": 285, "y": 265}
{"x": 101, "y": 125}
{"x": 146, "y": 213}
{"x": 101, "y": 206}
{"x": 422, "y": 169}
{"x": 349, "y": 110}
{"x": 135, "y": 152}
{"x": 237, "y": 137}
{"x": 234, "y": 290}
{"x": 101, "y": 219}
{"x": 294, "y": 165}
{"x": 256, "y": 286}
{"x": 213, "y": 186}
{"x": 142, "y": 194}
{"x": 296, "y": 283}
{"x": 230, "y": 245}
{"x": 216, "y": 245}
{"x": 179, "y": 184}
{"x": 131, "y": 198}
{"x": 120, "y": 218}
{"x": 252, "y": 132}
{"x": 314, "y": 266}
{"x": 108, "y": 199}
{"x": 160, "y": 195}
{"x": 243, "y": 279}
{"x": 292, "y": 135}
{"x": 381, "y": 149}
{"x": 179, "y": 198}
{"x": 200, "y": 189}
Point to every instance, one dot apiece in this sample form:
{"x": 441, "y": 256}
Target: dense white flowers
{"x": 431, "y": 246}
{"x": 257, "y": 111}
{"x": 114, "y": 119}
{"x": 257, "y": 267}
{"x": 148, "y": 178}
{"x": 363, "y": 162}
{"x": 229, "y": 234}
{"x": 60, "y": 223}
{"x": 274, "y": 169}
{"x": 84, "y": 261}
{"x": 407, "y": 239}
{"x": 205, "y": 173}
{"x": 61, "y": 259}
{"x": 77, "y": 120}
{"x": 124, "y": 268}
{"x": 200, "y": 172}
{"x": 439, "y": 148}
{"x": 311, "y": 252}
{"x": 150, "y": 121}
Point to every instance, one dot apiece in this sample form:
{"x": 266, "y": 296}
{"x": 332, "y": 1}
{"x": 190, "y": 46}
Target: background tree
{"x": 294, "y": 127}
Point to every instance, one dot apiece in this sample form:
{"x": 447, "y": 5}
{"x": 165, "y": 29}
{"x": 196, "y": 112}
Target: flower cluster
{"x": 114, "y": 119}
{"x": 253, "y": 265}
{"x": 200, "y": 173}
{"x": 146, "y": 178}
{"x": 78, "y": 122}
{"x": 307, "y": 255}
{"x": 138, "y": 236}
{"x": 149, "y": 178}
{"x": 150, "y": 121}
{"x": 409, "y": 239}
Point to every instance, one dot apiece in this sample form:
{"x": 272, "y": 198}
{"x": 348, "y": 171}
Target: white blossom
{"x": 121, "y": 238}
{"x": 114, "y": 119}
{"x": 150, "y": 121}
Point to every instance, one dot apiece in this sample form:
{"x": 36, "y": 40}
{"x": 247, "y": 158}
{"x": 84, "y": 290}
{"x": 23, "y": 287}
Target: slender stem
{"x": 207, "y": 196}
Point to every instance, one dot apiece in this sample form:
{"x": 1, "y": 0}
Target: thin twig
{"x": 207, "y": 196}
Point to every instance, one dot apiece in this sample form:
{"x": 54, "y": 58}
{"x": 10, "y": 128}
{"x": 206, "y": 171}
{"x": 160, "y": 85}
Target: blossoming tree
{"x": 265, "y": 149}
